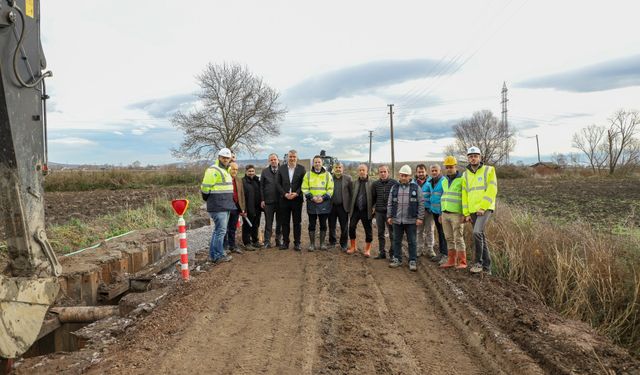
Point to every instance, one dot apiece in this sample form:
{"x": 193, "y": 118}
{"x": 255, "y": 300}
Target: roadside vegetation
{"x": 77, "y": 234}
{"x": 122, "y": 178}
{"x": 582, "y": 271}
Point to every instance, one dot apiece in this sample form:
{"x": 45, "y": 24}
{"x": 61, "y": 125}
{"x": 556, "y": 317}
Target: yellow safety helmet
{"x": 450, "y": 160}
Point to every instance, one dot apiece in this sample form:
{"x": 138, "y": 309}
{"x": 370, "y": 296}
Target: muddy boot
{"x": 323, "y": 234}
{"x": 381, "y": 254}
{"x": 451, "y": 259}
{"x": 312, "y": 241}
{"x": 462, "y": 259}
{"x": 367, "y": 249}
{"x": 352, "y": 247}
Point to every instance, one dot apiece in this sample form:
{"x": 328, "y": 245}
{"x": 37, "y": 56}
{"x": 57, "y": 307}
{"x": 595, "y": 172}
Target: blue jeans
{"x": 220, "y": 219}
{"x": 398, "y": 232}
{"x": 230, "y": 237}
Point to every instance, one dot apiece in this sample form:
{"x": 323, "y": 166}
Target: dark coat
{"x": 347, "y": 191}
{"x": 269, "y": 186}
{"x": 251, "y": 195}
{"x": 380, "y": 193}
{"x": 354, "y": 197}
{"x": 283, "y": 184}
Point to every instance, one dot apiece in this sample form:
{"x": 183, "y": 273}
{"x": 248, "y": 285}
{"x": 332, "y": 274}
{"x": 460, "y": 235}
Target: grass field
{"x": 115, "y": 179}
{"x": 608, "y": 204}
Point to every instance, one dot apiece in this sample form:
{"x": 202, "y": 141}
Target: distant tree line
{"x": 612, "y": 148}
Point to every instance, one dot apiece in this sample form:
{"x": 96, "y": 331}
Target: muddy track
{"x": 285, "y": 312}
{"x": 282, "y": 312}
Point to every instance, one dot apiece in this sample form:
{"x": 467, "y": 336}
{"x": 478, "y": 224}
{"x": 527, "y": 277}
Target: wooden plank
{"x": 153, "y": 269}
{"x": 48, "y": 326}
{"x": 111, "y": 291}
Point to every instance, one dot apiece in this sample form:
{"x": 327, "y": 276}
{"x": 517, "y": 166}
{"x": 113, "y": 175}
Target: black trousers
{"x": 271, "y": 211}
{"x": 442, "y": 241}
{"x": 338, "y": 214}
{"x": 360, "y": 215}
{"x": 250, "y": 233}
{"x": 321, "y": 218}
{"x": 381, "y": 224}
{"x": 291, "y": 210}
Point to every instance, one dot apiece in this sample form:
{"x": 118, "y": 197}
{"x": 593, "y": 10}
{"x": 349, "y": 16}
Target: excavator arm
{"x": 29, "y": 285}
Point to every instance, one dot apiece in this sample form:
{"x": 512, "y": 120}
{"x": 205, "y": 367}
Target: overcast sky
{"x": 120, "y": 72}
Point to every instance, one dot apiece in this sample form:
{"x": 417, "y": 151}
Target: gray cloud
{"x": 612, "y": 74}
{"x": 419, "y": 129}
{"x": 165, "y": 107}
{"x": 357, "y": 79}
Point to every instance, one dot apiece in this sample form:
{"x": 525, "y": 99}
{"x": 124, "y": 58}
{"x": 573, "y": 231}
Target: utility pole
{"x": 505, "y": 122}
{"x": 538, "y": 144}
{"x": 393, "y": 155}
{"x": 370, "y": 142}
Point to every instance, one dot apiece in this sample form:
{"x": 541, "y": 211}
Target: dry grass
{"x": 77, "y": 234}
{"x": 78, "y": 180}
{"x": 581, "y": 272}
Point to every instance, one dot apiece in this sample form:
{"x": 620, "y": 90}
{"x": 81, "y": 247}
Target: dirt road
{"x": 282, "y": 312}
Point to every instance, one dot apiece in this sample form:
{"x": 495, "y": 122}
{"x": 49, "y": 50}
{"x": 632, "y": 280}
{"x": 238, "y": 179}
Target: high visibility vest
{"x": 479, "y": 190}
{"x": 218, "y": 185}
{"x": 432, "y": 195}
{"x": 314, "y": 184}
{"x": 452, "y": 194}
{"x": 317, "y": 184}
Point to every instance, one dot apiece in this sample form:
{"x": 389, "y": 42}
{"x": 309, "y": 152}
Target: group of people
{"x": 417, "y": 207}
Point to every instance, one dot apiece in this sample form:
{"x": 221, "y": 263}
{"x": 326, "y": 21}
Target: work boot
{"x": 451, "y": 260}
{"x": 381, "y": 255}
{"x": 413, "y": 266}
{"x": 312, "y": 240}
{"x": 431, "y": 254}
{"x": 352, "y": 247}
{"x": 462, "y": 259}
{"x": 323, "y": 234}
{"x": 476, "y": 268}
{"x": 367, "y": 249}
{"x": 395, "y": 263}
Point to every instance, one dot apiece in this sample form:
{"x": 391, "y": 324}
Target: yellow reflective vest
{"x": 314, "y": 184}
{"x": 452, "y": 194}
{"x": 479, "y": 189}
{"x": 217, "y": 189}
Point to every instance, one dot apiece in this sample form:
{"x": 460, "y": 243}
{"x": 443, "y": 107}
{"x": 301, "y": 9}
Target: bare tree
{"x": 237, "y": 110}
{"x": 559, "y": 159}
{"x": 620, "y": 137}
{"x": 590, "y": 141}
{"x": 484, "y": 131}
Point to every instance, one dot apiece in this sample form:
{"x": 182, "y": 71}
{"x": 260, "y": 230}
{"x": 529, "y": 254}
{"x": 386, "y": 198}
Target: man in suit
{"x": 361, "y": 210}
{"x": 289, "y": 185}
{"x": 270, "y": 199}
{"x": 341, "y": 205}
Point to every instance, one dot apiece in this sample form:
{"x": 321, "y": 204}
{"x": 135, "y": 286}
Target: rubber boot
{"x": 312, "y": 241}
{"x": 382, "y": 254}
{"x": 352, "y": 247}
{"x": 451, "y": 259}
{"x": 367, "y": 249}
{"x": 462, "y": 259}
{"x": 323, "y": 234}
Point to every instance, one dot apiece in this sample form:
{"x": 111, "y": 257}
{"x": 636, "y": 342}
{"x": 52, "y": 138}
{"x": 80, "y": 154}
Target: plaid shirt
{"x": 402, "y": 215}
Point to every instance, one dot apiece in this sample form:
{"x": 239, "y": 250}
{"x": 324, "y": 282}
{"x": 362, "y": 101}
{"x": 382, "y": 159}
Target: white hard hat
{"x": 473, "y": 150}
{"x": 405, "y": 169}
{"x": 225, "y": 153}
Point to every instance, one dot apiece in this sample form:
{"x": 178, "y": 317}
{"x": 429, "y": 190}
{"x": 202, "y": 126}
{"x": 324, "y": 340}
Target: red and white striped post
{"x": 180, "y": 207}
